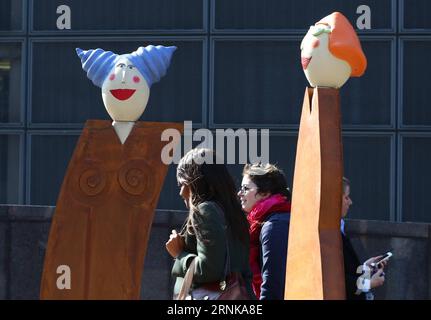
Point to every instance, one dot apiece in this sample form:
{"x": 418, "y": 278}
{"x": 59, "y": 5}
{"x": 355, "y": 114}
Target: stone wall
{"x": 408, "y": 272}
{"x": 24, "y": 232}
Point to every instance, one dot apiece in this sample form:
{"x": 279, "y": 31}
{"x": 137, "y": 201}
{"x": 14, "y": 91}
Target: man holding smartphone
{"x": 360, "y": 279}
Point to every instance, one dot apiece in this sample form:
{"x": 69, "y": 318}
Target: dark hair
{"x": 346, "y": 183}
{"x": 268, "y": 178}
{"x": 209, "y": 180}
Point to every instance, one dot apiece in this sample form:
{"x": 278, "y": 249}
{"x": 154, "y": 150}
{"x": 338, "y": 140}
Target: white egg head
{"x": 331, "y": 52}
{"x": 321, "y": 67}
{"x": 125, "y": 91}
{"x": 126, "y": 79}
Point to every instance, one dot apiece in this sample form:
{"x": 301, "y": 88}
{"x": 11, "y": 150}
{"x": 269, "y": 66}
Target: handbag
{"x": 232, "y": 287}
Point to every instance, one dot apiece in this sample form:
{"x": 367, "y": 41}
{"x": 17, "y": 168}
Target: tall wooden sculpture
{"x": 100, "y": 230}
{"x": 330, "y": 54}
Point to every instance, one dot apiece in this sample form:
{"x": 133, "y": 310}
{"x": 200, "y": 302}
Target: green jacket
{"x": 211, "y": 254}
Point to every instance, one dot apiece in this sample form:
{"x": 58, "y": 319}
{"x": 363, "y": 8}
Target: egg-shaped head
{"x": 126, "y": 79}
{"x": 331, "y": 52}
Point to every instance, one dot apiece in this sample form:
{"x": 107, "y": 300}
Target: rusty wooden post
{"x": 104, "y": 212}
{"x": 315, "y": 267}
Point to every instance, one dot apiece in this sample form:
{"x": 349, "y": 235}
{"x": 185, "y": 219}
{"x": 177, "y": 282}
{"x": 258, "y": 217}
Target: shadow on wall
{"x": 24, "y": 232}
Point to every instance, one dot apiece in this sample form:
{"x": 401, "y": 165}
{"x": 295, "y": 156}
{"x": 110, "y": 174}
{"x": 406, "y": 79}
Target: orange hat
{"x": 344, "y": 43}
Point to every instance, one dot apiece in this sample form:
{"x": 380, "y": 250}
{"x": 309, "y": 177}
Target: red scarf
{"x": 257, "y": 216}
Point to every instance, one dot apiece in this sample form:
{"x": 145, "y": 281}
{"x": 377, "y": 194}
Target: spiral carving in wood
{"x": 134, "y": 177}
{"x": 92, "y": 181}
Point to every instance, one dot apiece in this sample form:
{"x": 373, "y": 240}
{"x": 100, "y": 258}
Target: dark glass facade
{"x": 237, "y": 66}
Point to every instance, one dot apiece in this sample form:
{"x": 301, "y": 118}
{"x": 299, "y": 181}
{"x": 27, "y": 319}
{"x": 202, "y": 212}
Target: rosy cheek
{"x": 136, "y": 79}
{"x": 112, "y": 77}
{"x": 315, "y": 43}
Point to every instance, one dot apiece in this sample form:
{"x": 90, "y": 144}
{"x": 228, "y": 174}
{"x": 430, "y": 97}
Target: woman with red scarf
{"x": 266, "y": 200}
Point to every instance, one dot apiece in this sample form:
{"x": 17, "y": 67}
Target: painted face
{"x": 320, "y": 66}
{"x": 248, "y": 194}
{"x": 347, "y": 202}
{"x": 310, "y": 43}
{"x": 125, "y": 92}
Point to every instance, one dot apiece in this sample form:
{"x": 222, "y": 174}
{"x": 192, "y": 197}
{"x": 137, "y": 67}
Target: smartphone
{"x": 385, "y": 257}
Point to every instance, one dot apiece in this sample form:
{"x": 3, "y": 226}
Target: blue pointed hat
{"x": 151, "y": 61}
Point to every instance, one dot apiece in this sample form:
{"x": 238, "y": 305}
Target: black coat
{"x": 351, "y": 264}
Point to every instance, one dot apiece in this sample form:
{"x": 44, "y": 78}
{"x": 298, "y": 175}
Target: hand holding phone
{"x": 378, "y": 263}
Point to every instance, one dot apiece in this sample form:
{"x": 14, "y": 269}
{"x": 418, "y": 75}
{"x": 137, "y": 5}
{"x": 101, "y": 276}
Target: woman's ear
{"x": 266, "y": 195}
{"x": 263, "y": 195}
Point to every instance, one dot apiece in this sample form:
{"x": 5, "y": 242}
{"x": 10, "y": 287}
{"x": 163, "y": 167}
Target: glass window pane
{"x": 10, "y": 162}
{"x": 259, "y": 82}
{"x": 416, "y": 181}
{"x": 10, "y": 15}
{"x": 262, "y": 82}
{"x": 121, "y": 15}
{"x": 294, "y": 14}
{"x": 416, "y": 14}
{"x": 367, "y": 100}
{"x": 50, "y": 156}
{"x": 10, "y": 82}
{"x": 367, "y": 164}
{"x": 62, "y": 93}
{"x": 282, "y": 150}
{"x": 415, "y": 86}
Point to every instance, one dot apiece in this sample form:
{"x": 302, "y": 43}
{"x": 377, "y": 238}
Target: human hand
{"x": 175, "y": 244}
{"x": 376, "y": 259}
{"x": 377, "y": 279}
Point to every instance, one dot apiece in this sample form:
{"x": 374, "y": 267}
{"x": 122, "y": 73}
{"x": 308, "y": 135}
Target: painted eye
{"x": 121, "y": 65}
{"x": 136, "y": 79}
{"x": 131, "y": 67}
{"x": 112, "y": 77}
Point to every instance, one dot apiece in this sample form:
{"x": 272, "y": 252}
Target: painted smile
{"x": 122, "y": 94}
{"x": 305, "y": 62}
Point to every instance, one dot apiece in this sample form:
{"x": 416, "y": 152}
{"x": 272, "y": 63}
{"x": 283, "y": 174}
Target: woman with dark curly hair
{"x": 266, "y": 200}
{"x": 216, "y": 230}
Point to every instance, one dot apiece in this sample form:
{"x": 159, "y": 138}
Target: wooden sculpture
{"x": 100, "y": 230}
{"x": 330, "y": 54}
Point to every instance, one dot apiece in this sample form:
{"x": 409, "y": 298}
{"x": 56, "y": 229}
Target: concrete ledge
{"x": 395, "y": 229}
{"x": 26, "y": 213}
{"x": 24, "y": 233}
